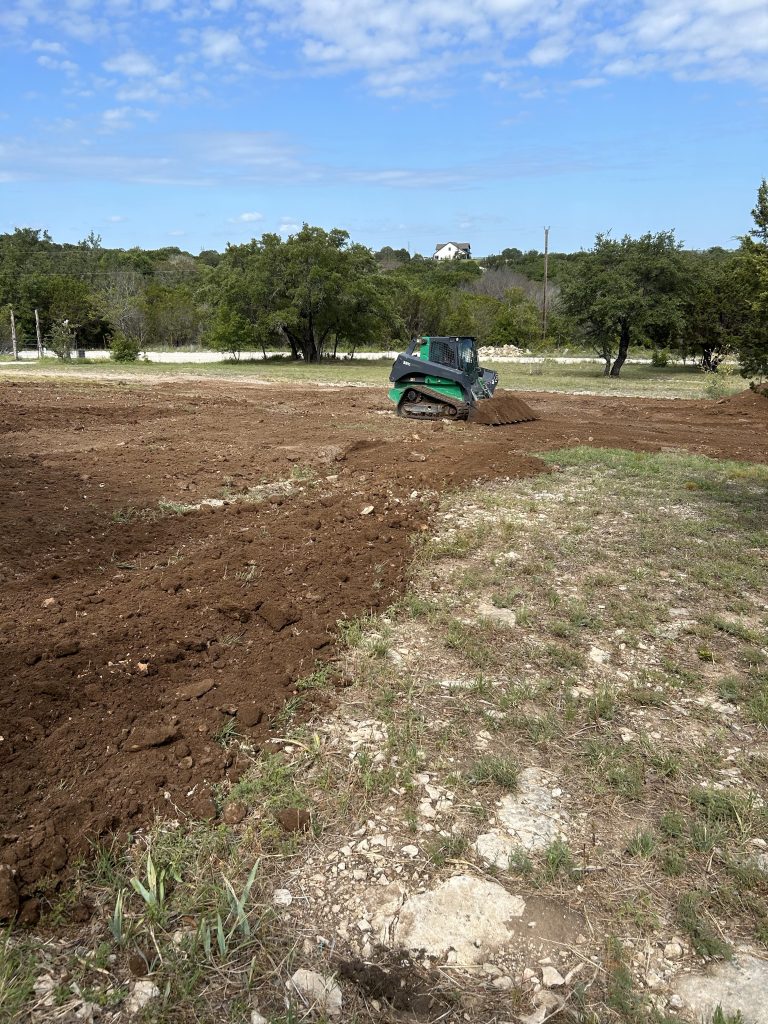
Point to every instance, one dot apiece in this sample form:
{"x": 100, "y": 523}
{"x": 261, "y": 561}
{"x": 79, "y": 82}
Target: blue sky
{"x": 201, "y": 122}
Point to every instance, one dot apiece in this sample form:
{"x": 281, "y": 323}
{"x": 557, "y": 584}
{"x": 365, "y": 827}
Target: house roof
{"x": 459, "y": 245}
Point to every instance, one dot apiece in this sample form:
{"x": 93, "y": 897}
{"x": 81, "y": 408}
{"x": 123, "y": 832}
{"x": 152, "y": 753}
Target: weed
{"x": 176, "y": 508}
{"x": 226, "y": 733}
{"x": 620, "y": 994}
{"x": 520, "y": 863}
{"x": 286, "y": 713}
{"x": 704, "y": 939}
{"x": 603, "y": 704}
{"x": 317, "y": 680}
{"x": 117, "y": 921}
{"x": 502, "y": 771}
{"x": 558, "y": 860}
{"x": 18, "y": 971}
{"x": 672, "y": 824}
{"x": 472, "y": 642}
{"x": 125, "y": 515}
{"x": 720, "y": 1017}
{"x": 152, "y": 888}
{"x": 445, "y": 848}
{"x": 642, "y": 844}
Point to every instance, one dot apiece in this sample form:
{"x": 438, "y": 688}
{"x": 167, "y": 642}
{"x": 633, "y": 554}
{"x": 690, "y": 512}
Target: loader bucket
{"x": 503, "y": 408}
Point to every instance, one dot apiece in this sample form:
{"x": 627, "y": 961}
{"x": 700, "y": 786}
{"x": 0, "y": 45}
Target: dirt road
{"x": 136, "y": 636}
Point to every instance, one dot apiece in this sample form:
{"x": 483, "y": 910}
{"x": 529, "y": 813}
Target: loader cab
{"x": 459, "y": 353}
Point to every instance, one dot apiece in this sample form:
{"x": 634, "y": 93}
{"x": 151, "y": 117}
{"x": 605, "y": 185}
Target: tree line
{"x": 317, "y": 294}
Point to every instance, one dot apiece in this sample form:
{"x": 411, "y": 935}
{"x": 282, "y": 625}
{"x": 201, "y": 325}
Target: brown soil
{"x": 131, "y": 638}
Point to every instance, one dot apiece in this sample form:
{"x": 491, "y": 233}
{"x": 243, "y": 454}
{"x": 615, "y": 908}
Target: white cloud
{"x": 247, "y": 218}
{"x": 717, "y": 39}
{"x": 41, "y": 46}
{"x": 549, "y": 51}
{"x": 120, "y": 118}
{"x": 131, "y": 64}
{"x": 152, "y": 89}
{"x": 54, "y": 64}
{"x": 218, "y": 45}
{"x": 116, "y": 218}
{"x": 589, "y": 83}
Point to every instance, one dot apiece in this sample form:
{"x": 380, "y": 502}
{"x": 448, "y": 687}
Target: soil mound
{"x": 502, "y": 409}
{"x": 746, "y": 403}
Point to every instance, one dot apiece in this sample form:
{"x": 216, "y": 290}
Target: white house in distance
{"x": 452, "y": 251}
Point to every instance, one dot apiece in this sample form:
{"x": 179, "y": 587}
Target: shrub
{"x": 659, "y": 357}
{"x": 61, "y": 340}
{"x": 123, "y": 349}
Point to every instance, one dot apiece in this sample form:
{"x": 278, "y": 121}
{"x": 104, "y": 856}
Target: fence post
{"x": 14, "y": 339}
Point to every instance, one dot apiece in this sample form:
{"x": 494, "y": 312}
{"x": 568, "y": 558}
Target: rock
{"x": 195, "y": 690}
{"x": 530, "y": 820}
{"x": 9, "y": 894}
{"x": 417, "y": 457}
{"x": 278, "y": 616}
{"x": 316, "y": 991}
{"x": 153, "y": 736}
{"x": 466, "y": 914}
{"x": 738, "y": 987}
{"x": 294, "y": 819}
{"x": 250, "y": 715}
{"x": 143, "y": 992}
{"x": 256, "y": 1018}
{"x": 547, "y": 1005}
{"x": 551, "y": 978}
{"x": 504, "y": 616}
{"x": 29, "y": 914}
{"x": 367, "y": 510}
{"x": 66, "y": 648}
{"x": 410, "y": 851}
{"x": 503, "y": 984}
{"x": 234, "y": 812}
{"x": 282, "y": 898}
{"x": 598, "y": 656}
{"x": 673, "y": 951}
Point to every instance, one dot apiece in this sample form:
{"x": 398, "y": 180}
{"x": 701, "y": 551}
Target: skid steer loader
{"x": 440, "y": 378}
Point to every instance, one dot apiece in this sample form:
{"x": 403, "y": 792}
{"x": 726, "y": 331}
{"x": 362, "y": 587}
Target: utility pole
{"x": 39, "y": 336}
{"x": 546, "y": 276}
{"x": 14, "y": 339}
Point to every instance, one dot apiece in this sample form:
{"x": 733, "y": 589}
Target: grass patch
{"x": 501, "y": 771}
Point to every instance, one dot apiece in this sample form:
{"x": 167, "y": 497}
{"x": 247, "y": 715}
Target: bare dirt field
{"x": 141, "y": 624}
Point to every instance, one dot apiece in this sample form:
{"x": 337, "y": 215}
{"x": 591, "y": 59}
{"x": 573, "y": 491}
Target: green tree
{"x": 753, "y": 349}
{"x": 313, "y": 291}
{"x": 713, "y": 306}
{"x": 760, "y": 214}
{"x": 230, "y": 332}
{"x": 624, "y": 290}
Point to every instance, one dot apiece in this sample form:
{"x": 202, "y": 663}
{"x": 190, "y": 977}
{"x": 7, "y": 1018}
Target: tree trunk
{"x": 623, "y": 349}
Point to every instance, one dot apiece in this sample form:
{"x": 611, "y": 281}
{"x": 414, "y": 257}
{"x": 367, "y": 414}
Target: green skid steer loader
{"x": 440, "y": 378}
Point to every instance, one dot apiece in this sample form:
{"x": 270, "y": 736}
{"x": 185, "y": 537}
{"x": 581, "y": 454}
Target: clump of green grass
{"x": 473, "y": 642}
{"x": 704, "y": 939}
{"x": 558, "y": 860}
{"x": 642, "y": 844}
{"x": 18, "y": 970}
{"x": 502, "y": 771}
{"x": 446, "y": 848}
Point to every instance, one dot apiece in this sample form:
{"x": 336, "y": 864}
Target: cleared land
{"x": 176, "y": 558}
{"x": 674, "y": 381}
